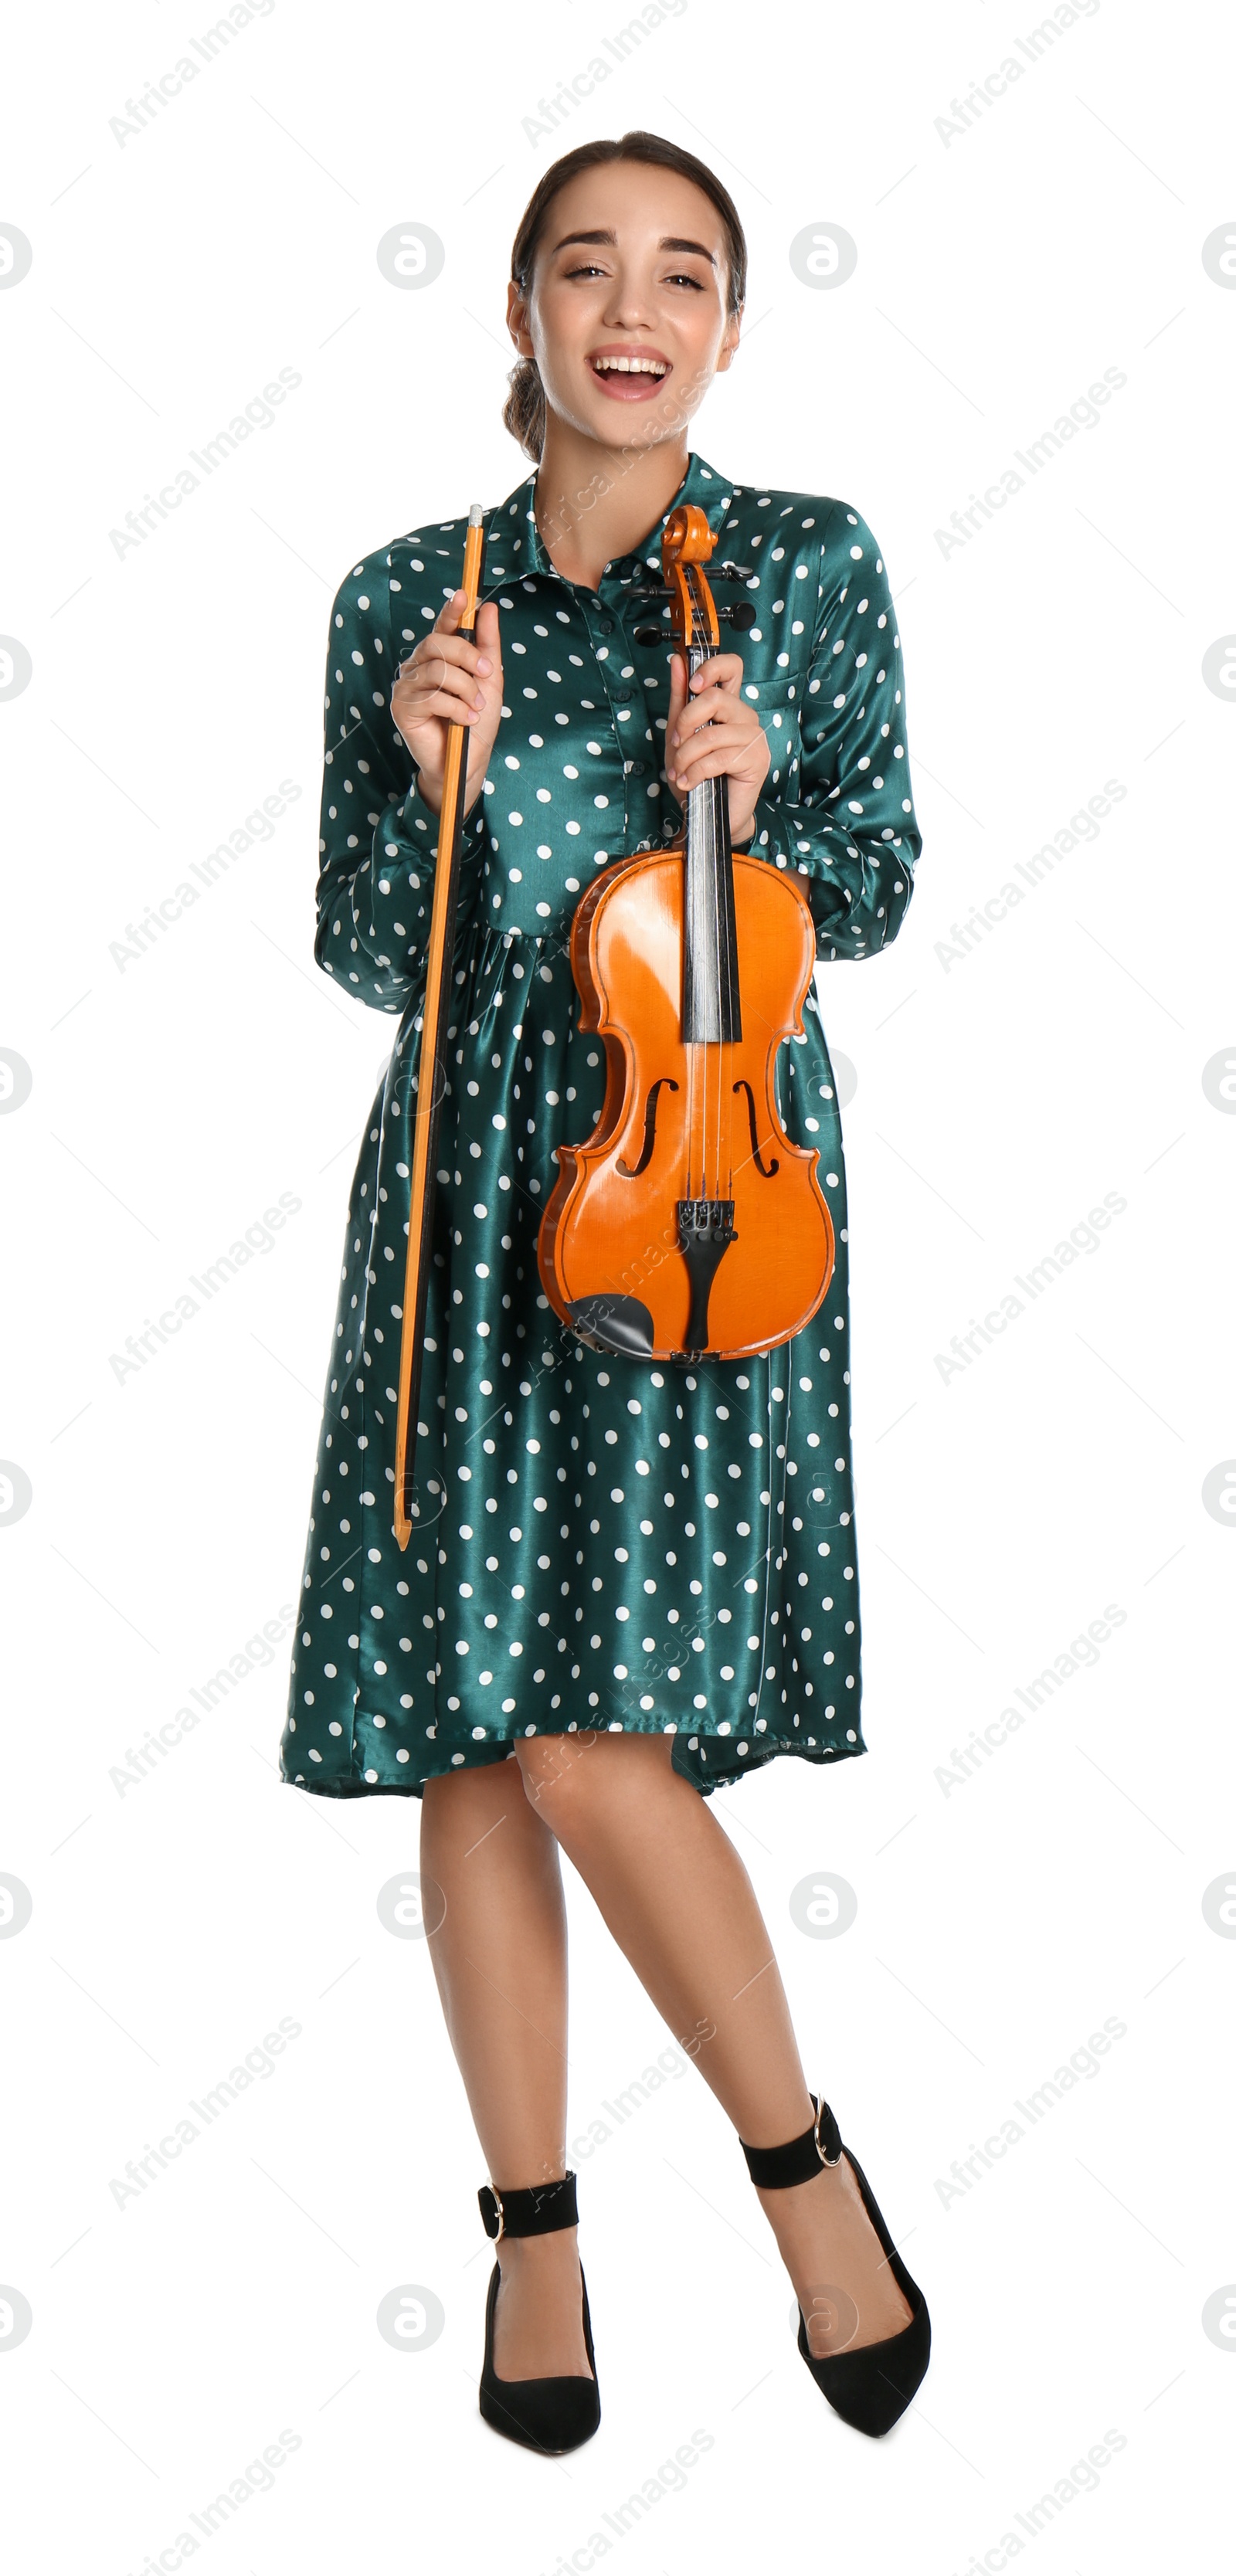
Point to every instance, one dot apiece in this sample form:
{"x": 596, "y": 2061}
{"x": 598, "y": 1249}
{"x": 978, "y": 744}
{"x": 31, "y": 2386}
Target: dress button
{"x": 637, "y": 768}
{"x": 606, "y": 625}
{"x": 621, "y": 696}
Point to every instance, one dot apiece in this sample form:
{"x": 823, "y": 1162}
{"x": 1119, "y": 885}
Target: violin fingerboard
{"x": 711, "y": 1010}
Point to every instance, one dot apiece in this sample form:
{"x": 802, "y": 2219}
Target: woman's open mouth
{"x": 630, "y": 375}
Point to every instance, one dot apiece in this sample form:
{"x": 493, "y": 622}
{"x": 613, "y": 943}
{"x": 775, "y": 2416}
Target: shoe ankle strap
{"x": 775, "y": 2168}
{"x": 537, "y": 2211}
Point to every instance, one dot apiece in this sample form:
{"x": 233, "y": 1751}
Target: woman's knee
{"x": 466, "y": 1801}
{"x": 570, "y": 1779}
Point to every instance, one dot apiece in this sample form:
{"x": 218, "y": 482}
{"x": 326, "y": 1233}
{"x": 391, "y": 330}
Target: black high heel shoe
{"x": 548, "y": 2415}
{"x": 870, "y": 2388}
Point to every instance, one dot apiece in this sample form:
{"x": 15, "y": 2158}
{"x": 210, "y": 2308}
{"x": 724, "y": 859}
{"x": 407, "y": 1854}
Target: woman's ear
{"x": 517, "y": 320}
{"x": 729, "y": 344}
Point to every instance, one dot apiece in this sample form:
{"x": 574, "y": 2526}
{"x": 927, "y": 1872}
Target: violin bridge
{"x": 705, "y": 1233}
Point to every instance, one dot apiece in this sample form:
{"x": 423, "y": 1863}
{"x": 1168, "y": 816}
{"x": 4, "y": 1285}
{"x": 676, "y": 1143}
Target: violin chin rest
{"x": 622, "y": 1325}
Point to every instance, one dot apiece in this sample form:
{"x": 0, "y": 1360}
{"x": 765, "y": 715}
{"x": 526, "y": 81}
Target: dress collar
{"x": 701, "y": 484}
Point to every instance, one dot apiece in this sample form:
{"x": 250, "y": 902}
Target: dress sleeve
{"x": 848, "y": 823}
{"x": 379, "y": 839}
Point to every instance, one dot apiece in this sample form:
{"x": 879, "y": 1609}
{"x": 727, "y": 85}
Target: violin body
{"x": 611, "y": 1245}
{"x": 687, "y": 1225}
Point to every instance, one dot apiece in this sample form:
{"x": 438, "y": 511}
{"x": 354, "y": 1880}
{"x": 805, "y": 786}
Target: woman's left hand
{"x": 712, "y": 732}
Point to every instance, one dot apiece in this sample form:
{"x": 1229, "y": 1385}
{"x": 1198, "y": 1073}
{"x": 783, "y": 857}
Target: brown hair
{"x": 524, "y": 410}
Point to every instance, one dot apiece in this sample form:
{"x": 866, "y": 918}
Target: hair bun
{"x": 524, "y": 409}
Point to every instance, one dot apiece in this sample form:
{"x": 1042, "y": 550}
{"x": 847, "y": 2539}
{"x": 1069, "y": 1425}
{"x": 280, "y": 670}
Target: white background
{"x": 1000, "y": 1920}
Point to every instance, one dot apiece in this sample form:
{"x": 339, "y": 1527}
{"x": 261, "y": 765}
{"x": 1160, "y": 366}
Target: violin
{"x": 687, "y": 1226}
{"x": 430, "y": 1078}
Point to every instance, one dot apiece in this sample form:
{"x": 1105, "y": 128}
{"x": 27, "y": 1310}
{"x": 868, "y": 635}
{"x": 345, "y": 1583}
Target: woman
{"x": 626, "y": 1584}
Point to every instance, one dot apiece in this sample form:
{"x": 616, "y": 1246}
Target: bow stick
{"x": 431, "y": 1074}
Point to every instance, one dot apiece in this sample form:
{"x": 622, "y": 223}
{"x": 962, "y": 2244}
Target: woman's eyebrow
{"x": 610, "y": 239}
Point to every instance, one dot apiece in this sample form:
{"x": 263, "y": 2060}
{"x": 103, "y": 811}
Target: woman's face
{"x": 626, "y": 314}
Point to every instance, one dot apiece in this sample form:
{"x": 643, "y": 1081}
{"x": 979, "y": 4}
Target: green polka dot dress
{"x": 602, "y": 1544}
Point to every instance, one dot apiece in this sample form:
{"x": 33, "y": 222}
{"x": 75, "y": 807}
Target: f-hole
{"x": 767, "y": 1169}
{"x": 631, "y": 1171}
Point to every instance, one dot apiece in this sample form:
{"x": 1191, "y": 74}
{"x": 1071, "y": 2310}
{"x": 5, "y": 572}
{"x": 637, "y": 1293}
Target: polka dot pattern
{"x": 598, "y": 1543}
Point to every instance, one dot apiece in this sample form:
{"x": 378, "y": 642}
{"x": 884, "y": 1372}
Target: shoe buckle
{"x": 500, "y": 2230}
{"x": 825, "y": 2160}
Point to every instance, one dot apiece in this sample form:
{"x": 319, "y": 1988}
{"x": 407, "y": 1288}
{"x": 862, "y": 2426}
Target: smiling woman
{"x": 627, "y": 1584}
{"x": 713, "y": 268}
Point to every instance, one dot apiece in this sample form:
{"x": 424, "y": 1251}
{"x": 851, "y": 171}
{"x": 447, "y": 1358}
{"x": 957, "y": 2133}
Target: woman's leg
{"x": 679, "y": 1903}
{"x": 493, "y": 1901}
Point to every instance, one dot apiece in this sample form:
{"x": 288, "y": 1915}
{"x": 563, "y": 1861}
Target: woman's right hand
{"x": 447, "y": 681}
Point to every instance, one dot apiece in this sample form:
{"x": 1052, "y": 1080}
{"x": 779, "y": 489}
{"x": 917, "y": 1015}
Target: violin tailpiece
{"x": 705, "y": 1233}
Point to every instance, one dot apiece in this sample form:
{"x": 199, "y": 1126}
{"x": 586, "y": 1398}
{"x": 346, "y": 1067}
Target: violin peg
{"x": 657, "y": 634}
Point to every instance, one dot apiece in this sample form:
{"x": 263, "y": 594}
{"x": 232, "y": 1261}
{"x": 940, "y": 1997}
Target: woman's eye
{"x": 681, "y": 279}
{"x": 589, "y": 269}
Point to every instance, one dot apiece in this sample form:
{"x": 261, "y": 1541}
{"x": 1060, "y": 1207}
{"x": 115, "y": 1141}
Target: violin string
{"x": 723, "y": 827}
{"x": 709, "y": 918}
{"x": 718, "y": 961}
{"x": 687, "y": 930}
{"x": 693, "y": 911}
{"x": 716, "y": 787}
{"x": 684, "y": 983}
{"x": 708, "y": 883}
{"x": 716, "y": 791}
{"x": 703, "y": 915}
{"x": 709, "y": 933}
{"x": 718, "y": 874}
{"x": 721, "y": 820}
{"x": 699, "y": 968}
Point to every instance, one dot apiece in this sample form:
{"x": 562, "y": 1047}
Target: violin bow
{"x": 431, "y": 1075}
